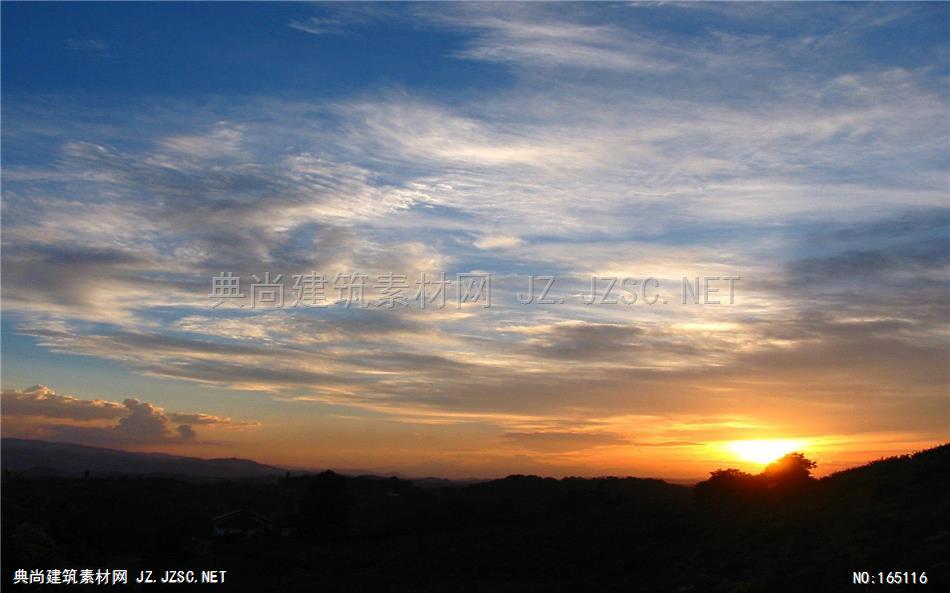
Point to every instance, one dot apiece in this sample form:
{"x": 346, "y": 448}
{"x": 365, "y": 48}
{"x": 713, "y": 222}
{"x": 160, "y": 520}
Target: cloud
{"x": 317, "y": 25}
{"x": 400, "y": 127}
{"x": 186, "y": 432}
{"x": 224, "y": 140}
{"x": 153, "y": 220}
{"x": 541, "y": 37}
{"x": 921, "y": 257}
{"x": 206, "y": 420}
{"x": 564, "y": 441}
{"x": 38, "y": 412}
{"x": 336, "y": 18}
{"x": 87, "y": 44}
{"x": 561, "y": 44}
{"x": 144, "y": 422}
{"x": 580, "y": 340}
{"x": 39, "y": 400}
{"x": 497, "y": 242}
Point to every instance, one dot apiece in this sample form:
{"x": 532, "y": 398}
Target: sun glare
{"x": 765, "y": 450}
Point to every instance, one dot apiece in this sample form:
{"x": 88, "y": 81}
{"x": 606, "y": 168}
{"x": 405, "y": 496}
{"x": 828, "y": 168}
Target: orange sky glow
{"x": 538, "y": 238}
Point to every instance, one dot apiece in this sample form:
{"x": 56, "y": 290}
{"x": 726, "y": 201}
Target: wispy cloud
{"x": 87, "y": 44}
{"x": 317, "y": 25}
{"x": 563, "y": 44}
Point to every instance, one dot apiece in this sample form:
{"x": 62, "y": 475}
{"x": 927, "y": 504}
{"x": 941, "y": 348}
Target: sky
{"x": 799, "y": 149}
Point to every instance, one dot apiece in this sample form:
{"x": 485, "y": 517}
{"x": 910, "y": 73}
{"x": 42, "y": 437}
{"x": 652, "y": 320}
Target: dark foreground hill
{"x": 733, "y": 533}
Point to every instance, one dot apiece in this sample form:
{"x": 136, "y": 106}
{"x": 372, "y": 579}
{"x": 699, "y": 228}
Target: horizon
{"x": 362, "y": 472}
{"x": 463, "y": 240}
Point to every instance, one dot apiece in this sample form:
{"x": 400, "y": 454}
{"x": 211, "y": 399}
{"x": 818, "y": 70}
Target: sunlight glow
{"x": 764, "y": 450}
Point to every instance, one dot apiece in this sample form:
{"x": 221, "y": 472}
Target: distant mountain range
{"x": 43, "y": 458}
{"x": 35, "y": 458}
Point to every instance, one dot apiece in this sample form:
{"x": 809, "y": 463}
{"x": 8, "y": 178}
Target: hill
{"x": 333, "y": 533}
{"x": 43, "y": 458}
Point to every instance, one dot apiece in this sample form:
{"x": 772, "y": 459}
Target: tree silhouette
{"x": 729, "y": 475}
{"x": 786, "y": 475}
{"x": 325, "y": 507}
{"x": 793, "y": 467}
{"x": 727, "y": 485}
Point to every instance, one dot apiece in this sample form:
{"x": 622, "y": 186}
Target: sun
{"x": 763, "y": 451}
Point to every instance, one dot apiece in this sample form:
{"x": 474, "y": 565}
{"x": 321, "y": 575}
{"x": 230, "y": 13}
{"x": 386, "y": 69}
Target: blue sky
{"x": 803, "y": 147}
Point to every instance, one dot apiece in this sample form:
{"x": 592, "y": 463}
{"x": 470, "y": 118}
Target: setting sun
{"x": 764, "y": 450}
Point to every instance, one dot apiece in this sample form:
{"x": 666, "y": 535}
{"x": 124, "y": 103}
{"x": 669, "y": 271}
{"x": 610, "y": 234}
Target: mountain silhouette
{"x": 38, "y": 458}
